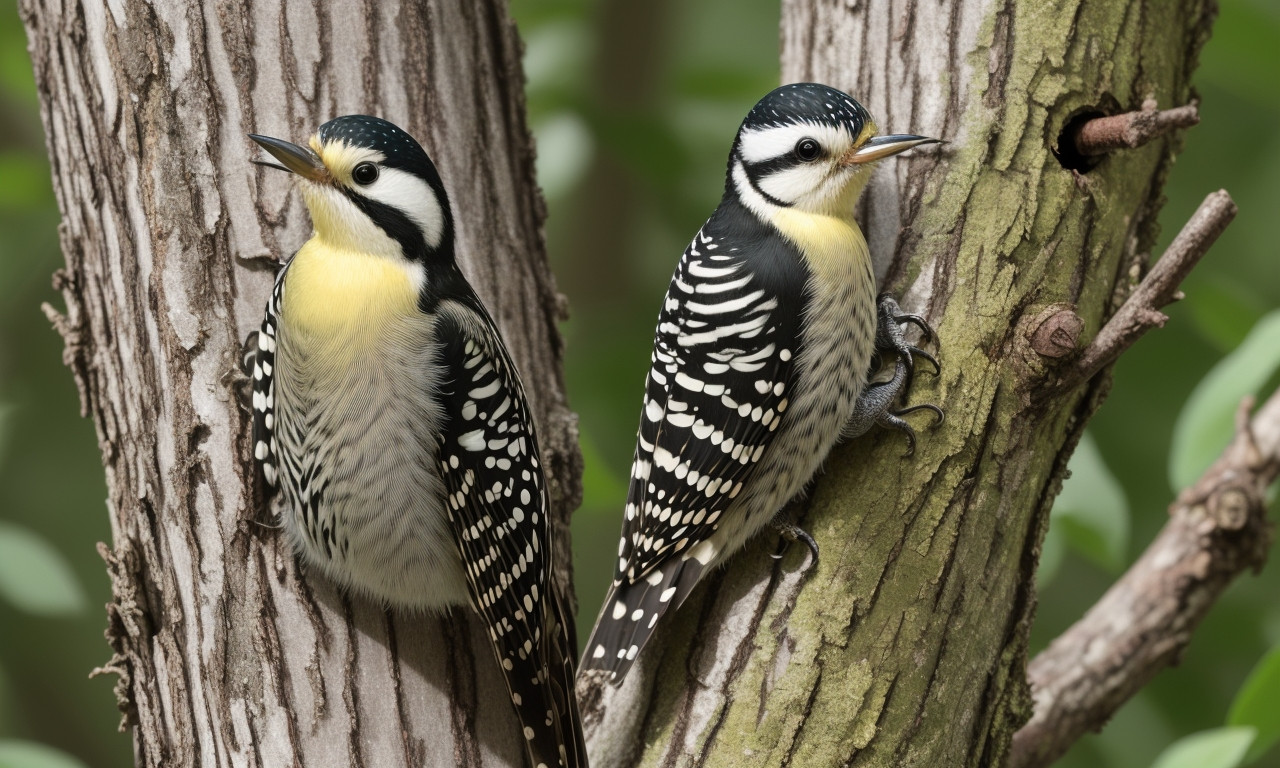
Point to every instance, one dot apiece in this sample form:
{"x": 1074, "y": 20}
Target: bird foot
{"x": 241, "y": 378}
{"x": 875, "y": 405}
{"x": 790, "y": 533}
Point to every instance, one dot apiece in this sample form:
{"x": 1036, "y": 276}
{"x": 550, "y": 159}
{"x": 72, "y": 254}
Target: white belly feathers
{"x": 354, "y": 355}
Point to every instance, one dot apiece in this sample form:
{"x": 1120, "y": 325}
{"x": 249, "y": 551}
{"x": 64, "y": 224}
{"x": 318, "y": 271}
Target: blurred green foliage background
{"x": 634, "y": 106}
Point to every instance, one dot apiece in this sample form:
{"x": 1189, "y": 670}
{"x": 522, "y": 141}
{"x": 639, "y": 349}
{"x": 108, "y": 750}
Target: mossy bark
{"x": 906, "y": 643}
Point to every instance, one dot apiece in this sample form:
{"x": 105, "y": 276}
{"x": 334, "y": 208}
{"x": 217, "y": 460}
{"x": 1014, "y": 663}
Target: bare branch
{"x": 1132, "y": 129}
{"x": 1217, "y": 530}
{"x": 1141, "y": 311}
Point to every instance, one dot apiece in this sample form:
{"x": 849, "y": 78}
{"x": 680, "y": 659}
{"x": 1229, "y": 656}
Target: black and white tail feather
{"x": 498, "y": 505}
{"x": 722, "y": 372}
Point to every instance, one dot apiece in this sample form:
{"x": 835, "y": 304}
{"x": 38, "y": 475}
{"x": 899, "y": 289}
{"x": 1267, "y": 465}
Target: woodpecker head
{"x": 809, "y": 147}
{"x": 370, "y": 187}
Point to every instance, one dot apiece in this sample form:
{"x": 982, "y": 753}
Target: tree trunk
{"x": 906, "y": 645}
{"x": 227, "y": 655}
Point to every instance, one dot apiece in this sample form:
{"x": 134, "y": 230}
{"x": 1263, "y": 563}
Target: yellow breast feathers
{"x": 341, "y": 296}
{"x": 833, "y": 245}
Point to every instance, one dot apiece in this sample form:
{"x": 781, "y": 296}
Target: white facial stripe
{"x": 793, "y": 185}
{"x": 754, "y": 201}
{"x": 761, "y": 144}
{"x": 818, "y": 188}
{"x": 340, "y": 222}
{"x": 412, "y": 197}
{"x": 340, "y": 157}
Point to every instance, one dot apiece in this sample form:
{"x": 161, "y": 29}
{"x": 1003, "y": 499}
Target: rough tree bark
{"x": 226, "y": 654}
{"x": 906, "y": 644}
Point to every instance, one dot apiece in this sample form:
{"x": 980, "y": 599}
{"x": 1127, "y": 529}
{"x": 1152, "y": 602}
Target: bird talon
{"x": 918, "y": 321}
{"x": 918, "y": 352}
{"x": 939, "y": 417}
{"x": 894, "y": 420}
{"x": 789, "y": 532}
{"x": 911, "y": 440}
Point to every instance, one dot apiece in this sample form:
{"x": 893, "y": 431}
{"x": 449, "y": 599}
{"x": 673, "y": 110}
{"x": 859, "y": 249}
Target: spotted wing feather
{"x": 264, "y": 400}
{"x": 722, "y": 371}
{"x": 497, "y": 503}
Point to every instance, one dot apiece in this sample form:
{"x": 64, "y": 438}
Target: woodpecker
{"x": 760, "y": 360}
{"x": 389, "y": 414}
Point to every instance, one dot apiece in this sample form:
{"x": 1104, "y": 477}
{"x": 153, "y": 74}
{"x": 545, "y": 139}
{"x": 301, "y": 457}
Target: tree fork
{"x": 906, "y": 644}
{"x": 226, "y": 656}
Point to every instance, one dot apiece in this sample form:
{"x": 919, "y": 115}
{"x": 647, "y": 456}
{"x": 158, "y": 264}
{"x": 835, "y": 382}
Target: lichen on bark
{"x": 906, "y": 644}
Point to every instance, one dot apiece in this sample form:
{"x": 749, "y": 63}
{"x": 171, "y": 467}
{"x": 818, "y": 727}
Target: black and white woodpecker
{"x": 761, "y": 357}
{"x": 388, "y": 412}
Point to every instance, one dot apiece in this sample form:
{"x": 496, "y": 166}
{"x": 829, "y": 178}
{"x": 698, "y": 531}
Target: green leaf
{"x": 1092, "y": 512}
{"x": 1205, "y": 425}
{"x": 1257, "y": 704}
{"x": 34, "y": 576}
{"x": 15, "y": 753}
{"x": 1215, "y": 748}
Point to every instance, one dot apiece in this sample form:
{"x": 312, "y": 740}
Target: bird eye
{"x": 365, "y": 173}
{"x": 808, "y": 150}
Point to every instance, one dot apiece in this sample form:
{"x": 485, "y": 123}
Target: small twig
{"x": 1141, "y": 311}
{"x": 1217, "y": 530}
{"x": 1132, "y": 129}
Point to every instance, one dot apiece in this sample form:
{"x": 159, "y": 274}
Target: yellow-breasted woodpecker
{"x": 390, "y": 416}
{"x": 761, "y": 357}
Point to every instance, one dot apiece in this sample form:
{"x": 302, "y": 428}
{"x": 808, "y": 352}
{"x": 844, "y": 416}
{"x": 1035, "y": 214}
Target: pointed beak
{"x": 293, "y": 158}
{"x": 883, "y": 146}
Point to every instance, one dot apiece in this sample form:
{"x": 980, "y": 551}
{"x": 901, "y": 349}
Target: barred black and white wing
{"x": 497, "y": 504}
{"x": 722, "y": 372}
{"x": 265, "y": 451}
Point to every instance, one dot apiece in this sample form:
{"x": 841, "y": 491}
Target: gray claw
{"x": 891, "y": 421}
{"x": 938, "y": 416}
{"x": 789, "y": 532}
{"x": 249, "y": 353}
{"x": 875, "y": 405}
{"x": 918, "y": 352}
{"x": 925, "y": 329}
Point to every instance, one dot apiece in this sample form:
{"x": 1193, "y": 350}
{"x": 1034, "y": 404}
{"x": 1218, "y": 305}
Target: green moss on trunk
{"x": 906, "y": 644}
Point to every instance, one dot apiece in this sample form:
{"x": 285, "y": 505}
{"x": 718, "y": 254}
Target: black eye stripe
{"x": 772, "y": 165}
{"x": 401, "y": 152}
{"x": 390, "y": 220}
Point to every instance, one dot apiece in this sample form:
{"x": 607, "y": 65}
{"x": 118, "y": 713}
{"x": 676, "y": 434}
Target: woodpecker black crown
{"x": 812, "y": 102}
{"x": 401, "y": 150}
